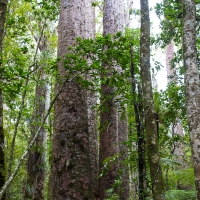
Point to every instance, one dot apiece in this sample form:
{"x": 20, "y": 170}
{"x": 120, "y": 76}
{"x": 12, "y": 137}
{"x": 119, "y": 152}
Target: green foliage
{"x": 180, "y": 195}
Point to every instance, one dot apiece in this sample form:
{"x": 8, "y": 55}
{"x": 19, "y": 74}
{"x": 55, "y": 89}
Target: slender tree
{"x": 138, "y": 109}
{"x": 70, "y": 170}
{"x": 36, "y": 164}
{"x": 3, "y": 7}
{"x": 192, "y": 89}
{"x": 149, "y": 110}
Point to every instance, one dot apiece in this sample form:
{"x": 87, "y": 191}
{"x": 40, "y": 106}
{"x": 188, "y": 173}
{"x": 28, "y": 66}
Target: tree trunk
{"x": 37, "y": 156}
{"x": 149, "y": 111}
{"x": 139, "y": 118}
{"x": 92, "y": 107}
{"x": 122, "y": 123}
{"x": 70, "y": 170}
{"x": 3, "y": 7}
{"x": 110, "y": 125}
{"x": 169, "y": 54}
{"x": 36, "y": 164}
{"x": 192, "y": 89}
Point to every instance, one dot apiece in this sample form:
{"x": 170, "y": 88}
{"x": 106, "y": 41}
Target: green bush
{"x": 180, "y": 195}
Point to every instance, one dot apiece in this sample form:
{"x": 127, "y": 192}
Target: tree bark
{"x": 149, "y": 110}
{"x": 122, "y": 123}
{"x": 192, "y": 89}
{"x": 112, "y": 130}
{"x": 92, "y": 107}
{"x": 70, "y": 170}
{"x": 3, "y": 7}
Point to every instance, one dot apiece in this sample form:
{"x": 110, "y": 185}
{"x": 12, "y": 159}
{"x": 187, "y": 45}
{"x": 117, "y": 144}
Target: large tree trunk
{"x": 176, "y": 126}
{"x": 3, "y": 7}
{"x": 149, "y": 111}
{"x": 70, "y": 170}
{"x": 110, "y": 123}
{"x": 192, "y": 89}
{"x": 122, "y": 123}
{"x": 92, "y": 107}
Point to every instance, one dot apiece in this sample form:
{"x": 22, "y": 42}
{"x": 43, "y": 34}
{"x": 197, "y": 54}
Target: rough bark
{"x": 108, "y": 115}
{"x": 192, "y": 89}
{"x": 70, "y": 170}
{"x": 122, "y": 123}
{"x": 92, "y": 107}
{"x": 149, "y": 111}
{"x": 113, "y": 130}
{"x": 3, "y": 7}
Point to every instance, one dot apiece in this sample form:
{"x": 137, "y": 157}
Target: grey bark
{"x": 92, "y": 106}
{"x": 149, "y": 110}
{"x": 122, "y": 123}
{"x": 192, "y": 89}
{"x": 108, "y": 115}
{"x": 70, "y": 170}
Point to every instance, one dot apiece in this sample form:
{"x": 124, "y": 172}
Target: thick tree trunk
{"x": 108, "y": 116}
{"x": 3, "y": 7}
{"x": 113, "y": 130}
{"x": 92, "y": 107}
{"x": 122, "y": 123}
{"x": 192, "y": 89}
{"x": 176, "y": 126}
{"x": 149, "y": 111}
{"x": 70, "y": 170}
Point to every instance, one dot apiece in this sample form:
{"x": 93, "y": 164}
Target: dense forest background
{"x": 80, "y": 114}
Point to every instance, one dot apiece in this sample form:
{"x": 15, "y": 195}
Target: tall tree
{"x": 70, "y": 170}
{"x": 37, "y": 156}
{"x": 122, "y": 121}
{"x": 192, "y": 88}
{"x": 3, "y": 7}
{"x": 110, "y": 125}
{"x": 149, "y": 110}
{"x": 92, "y": 106}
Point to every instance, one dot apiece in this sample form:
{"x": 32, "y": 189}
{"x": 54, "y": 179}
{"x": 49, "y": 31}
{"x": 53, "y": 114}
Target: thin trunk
{"x": 192, "y": 88}
{"x": 36, "y": 164}
{"x": 149, "y": 110}
{"x": 3, "y": 7}
{"x": 37, "y": 155}
{"x": 138, "y": 109}
{"x": 70, "y": 170}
